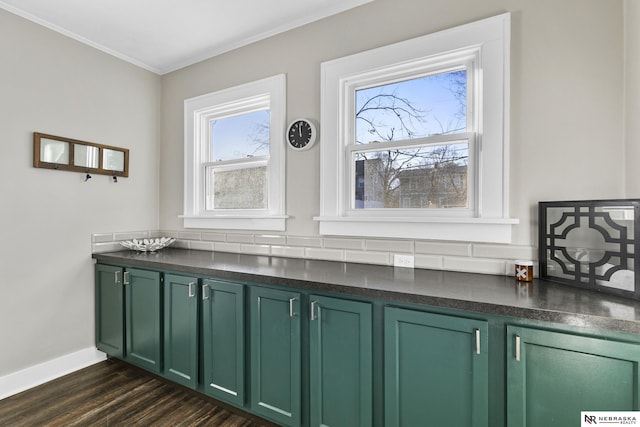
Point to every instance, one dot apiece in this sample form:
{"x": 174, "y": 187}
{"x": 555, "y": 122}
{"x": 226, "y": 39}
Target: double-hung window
{"x": 234, "y": 159}
{"x": 415, "y": 138}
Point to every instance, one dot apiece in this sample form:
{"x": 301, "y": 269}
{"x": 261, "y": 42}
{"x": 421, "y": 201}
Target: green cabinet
{"x": 553, "y": 376}
{"x": 436, "y": 369}
{"x": 341, "y": 372}
{"x": 181, "y": 329}
{"x": 109, "y": 310}
{"x": 223, "y": 337}
{"x": 143, "y": 318}
{"x": 276, "y": 355}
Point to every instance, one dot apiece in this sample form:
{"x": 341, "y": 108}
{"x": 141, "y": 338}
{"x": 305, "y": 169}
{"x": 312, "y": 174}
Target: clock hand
{"x": 300, "y": 130}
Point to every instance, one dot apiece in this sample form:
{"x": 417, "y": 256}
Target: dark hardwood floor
{"x": 112, "y": 393}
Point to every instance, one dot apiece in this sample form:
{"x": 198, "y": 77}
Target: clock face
{"x": 301, "y": 135}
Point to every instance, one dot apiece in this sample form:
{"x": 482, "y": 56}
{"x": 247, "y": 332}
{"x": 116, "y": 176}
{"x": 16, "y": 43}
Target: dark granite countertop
{"x": 480, "y": 293}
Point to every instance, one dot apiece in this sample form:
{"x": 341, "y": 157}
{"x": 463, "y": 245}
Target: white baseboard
{"x": 39, "y": 374}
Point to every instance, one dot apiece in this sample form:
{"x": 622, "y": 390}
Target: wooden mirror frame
{"x": 69, "y": 163}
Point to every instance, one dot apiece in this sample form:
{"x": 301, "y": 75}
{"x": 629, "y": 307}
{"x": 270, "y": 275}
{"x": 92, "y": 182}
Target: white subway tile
{"x": 131, "y": 235}
{"x": 314, "y": 242}
{"x": 265, "y": 239}
{"x": 443, "y": 248}
{"x": 364, "y": 257}
{"x": 97, "y": 248}
{"x": 255, "y": 249}
{"x": 403, "y": 246}
{"x": 166, "y": 233}
{"x": 189, "y": 235}
{"x": 325, "y": 254}
{"x": 339, "y": 243}
{"x": 226, "y": 247}
{"x": 432, "y": 262}
{"x": 474, "y": 265}
{"x": 181, "y": 244}
{"x": 200, "y": 245}
{"x": 214, "y": 237}
{"x": 527, "y": 253}
{"x": 240, "y": 238}
{"x": 287, "y": 251}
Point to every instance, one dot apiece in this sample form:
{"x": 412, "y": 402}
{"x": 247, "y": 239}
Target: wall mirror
{"x": 56, "y": 152}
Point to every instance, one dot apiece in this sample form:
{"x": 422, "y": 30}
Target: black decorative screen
{"x": 591, "y": 244}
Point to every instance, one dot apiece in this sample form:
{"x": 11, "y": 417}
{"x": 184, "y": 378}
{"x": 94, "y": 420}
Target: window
{"x": 234, "y": 174}
{"x": 416, "y": 138}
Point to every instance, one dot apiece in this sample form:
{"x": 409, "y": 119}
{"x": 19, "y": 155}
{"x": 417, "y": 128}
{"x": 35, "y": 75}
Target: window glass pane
{"x": 429, "y": 177}
{"x": 239, "y": 137}
{"x": 237, "y": 189}
{"x": 415, "y": 108}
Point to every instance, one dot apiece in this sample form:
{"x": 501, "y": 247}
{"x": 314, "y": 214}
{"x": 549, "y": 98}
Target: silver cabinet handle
{"x": 191, "y": 291}
{"x": 126, "y": 277}
{"x": 477, "y": 341}
{"x": 313, "y": 310}
{"x": 116, "y": 277}
{"x": 517, "y": 348}
{"x": 291, "y": 313}
{"x": 205, "y": 294}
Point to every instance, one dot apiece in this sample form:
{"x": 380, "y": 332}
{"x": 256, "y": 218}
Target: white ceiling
{"x": 165, "y": 35}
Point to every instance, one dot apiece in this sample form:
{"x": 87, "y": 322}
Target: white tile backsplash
{"x": 444, "y": 248}
{"x": 364, "y": 257}
{"x": 402, "y": 246}
{"x": 454, "y": 256}
{"x": 341, "y": 243}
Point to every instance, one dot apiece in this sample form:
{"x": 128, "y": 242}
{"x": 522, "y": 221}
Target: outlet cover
{"x": 406, "y": 261}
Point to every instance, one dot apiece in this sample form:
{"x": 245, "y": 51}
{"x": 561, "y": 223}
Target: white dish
{"x": 148, "y": 245}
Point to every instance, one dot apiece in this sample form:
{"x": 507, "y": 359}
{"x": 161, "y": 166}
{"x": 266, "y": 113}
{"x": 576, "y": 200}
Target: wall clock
{"x": 302, "y": 134}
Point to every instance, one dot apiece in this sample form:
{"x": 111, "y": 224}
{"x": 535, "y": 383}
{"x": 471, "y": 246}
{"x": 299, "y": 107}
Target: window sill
{"x": 489, "y": 230}
{"x": 237, "y": 222}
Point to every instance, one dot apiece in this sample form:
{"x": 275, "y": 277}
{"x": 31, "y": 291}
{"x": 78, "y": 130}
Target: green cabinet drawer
{"x": 223, "y": 338}
{"x": 553, "y": 376}
{"x": 436, "y": 369}
{"x": 341, "y": 372}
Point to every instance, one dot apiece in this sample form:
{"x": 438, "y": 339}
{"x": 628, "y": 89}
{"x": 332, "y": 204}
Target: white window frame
{"x": 198, "y": 113}
{"x": 485, "y": 45}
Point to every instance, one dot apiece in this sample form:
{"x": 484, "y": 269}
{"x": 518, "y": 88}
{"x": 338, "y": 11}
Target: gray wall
{"x": 50, "y": 83}
{"x": 566, "y": 96}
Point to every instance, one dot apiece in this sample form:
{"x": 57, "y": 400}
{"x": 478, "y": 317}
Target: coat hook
{"x": 87, "y": 178}
{"x": 115, "y": 179}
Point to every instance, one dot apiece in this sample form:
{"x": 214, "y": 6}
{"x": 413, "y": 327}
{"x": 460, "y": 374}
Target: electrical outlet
{"x": 403, "y": 261}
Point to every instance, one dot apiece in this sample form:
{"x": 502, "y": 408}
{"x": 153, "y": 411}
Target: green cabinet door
{"x": 436, "y": 370}
{"x": 109, "y": 310}
{"x": 143, "y": 317}
{"x": 275, "y": 355}
{"x": 181, "y": 329}
{"x": 340, "y": 362}
{"x": 223, "y": 340}
{"x": 553, "y": 376}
